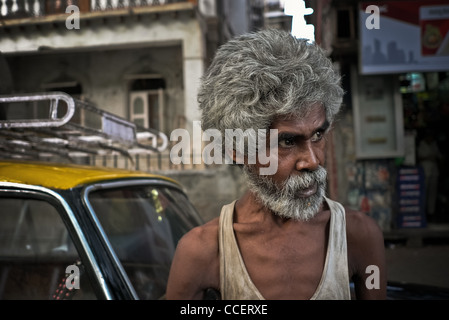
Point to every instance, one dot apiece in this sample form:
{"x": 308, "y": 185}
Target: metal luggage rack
{"x": 53, "y": 126}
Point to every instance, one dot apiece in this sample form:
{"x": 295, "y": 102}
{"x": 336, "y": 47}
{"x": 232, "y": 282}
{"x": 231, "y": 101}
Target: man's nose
{"x": 307, "y": 158}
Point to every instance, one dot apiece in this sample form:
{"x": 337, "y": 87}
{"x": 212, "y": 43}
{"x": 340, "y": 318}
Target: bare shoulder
{"x": 366, "y": 250}
{"x": 362, "y": 227}
{"x": 195, "y": 265}
{"x": 201, "y": 241}
{"x": 365, "y": 241}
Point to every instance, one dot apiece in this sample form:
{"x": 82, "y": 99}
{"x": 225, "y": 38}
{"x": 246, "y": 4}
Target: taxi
{"x": 84, "y": 232}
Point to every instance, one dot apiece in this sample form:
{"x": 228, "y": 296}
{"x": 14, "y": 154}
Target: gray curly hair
{"x": 260, "y": 76}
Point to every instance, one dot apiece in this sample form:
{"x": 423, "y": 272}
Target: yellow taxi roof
{"x": 63, "y": 176}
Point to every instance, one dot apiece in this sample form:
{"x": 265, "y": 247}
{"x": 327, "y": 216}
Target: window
{"x": 65, "y": 84}
{"x": 144, "y": 224}
{"x": 147, "y": 103}
{"x": 35, "y": 251}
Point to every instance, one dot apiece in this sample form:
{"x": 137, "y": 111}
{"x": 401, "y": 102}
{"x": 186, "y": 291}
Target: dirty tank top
{"x": 236, "y": 284}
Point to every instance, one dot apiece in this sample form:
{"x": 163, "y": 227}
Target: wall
{"x": 176, "y": 24}
{"x": 102, "y": 84}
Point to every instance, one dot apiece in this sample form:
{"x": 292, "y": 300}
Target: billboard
{"x": 404, "y": 36}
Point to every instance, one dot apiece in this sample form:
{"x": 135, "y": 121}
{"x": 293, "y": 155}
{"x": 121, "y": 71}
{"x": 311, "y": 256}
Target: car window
{"x": 144, "y": 225}
{"x": 35, "y": 253}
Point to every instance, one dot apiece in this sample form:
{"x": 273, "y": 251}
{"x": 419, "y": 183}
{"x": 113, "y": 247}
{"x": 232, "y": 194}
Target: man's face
{"x": 296, "y": 190}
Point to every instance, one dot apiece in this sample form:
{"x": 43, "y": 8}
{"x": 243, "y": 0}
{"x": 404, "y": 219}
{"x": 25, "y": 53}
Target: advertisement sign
{"x": 411, "y": 200}
{"x": 404, "y": 36}
{"x": 378, "y": 116}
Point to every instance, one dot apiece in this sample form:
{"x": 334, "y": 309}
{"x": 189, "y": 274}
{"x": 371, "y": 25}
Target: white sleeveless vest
{"x": 236, "y": 284}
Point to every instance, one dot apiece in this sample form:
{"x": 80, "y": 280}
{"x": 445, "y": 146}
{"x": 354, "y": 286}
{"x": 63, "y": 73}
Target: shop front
{"x": 400, "y": 106}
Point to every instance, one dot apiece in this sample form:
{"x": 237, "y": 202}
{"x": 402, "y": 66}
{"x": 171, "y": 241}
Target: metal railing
{"x": 55, "y": 127}
{"x": 45, "y": 125}
{"x": 156, "y": 162}
{"x": 14, "y": 9}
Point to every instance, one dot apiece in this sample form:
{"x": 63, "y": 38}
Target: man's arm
{"x": 366, "y": 251}
{"x": 195, "y": 265}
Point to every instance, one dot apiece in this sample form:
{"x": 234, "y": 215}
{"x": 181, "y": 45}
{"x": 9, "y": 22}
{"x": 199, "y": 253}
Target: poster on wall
{"x": 404, "y": 36}
{"x": 378, "y": 117}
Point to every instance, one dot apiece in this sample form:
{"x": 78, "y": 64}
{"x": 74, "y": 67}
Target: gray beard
{"x": 284, "y": 201}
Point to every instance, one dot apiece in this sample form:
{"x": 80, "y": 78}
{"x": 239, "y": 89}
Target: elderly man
{"x": 283, "y": 238}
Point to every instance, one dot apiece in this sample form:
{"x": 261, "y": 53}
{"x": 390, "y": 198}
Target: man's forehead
{"x": 314, "y": 116}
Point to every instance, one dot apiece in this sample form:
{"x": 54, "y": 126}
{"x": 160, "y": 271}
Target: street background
{"x": 419, "y": 255}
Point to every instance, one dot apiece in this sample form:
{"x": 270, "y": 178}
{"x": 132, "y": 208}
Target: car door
{"x": 43, "y": 252}
{"x": 141, "y": 222}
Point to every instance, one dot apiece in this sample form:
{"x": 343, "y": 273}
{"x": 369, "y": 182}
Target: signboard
{"x": 410, "y": 190}
{"x": 378, "y": 116}
{"x": 404, "y": 36}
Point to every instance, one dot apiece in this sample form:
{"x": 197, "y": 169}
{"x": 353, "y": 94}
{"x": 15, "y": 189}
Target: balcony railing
{"x": 15, "y": 9}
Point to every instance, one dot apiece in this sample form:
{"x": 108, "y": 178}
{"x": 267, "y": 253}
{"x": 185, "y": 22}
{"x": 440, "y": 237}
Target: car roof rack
{"x": 55, "y": 126}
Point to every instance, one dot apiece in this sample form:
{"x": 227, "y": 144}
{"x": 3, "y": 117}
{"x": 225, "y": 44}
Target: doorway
{"x": 425, "y": 97}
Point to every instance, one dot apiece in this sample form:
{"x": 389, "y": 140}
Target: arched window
{"x": 146, "y": 101}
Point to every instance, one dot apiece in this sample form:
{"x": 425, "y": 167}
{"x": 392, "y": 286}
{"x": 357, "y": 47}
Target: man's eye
{"x": 317, "y": 136}
{"x": 286, "y": 142}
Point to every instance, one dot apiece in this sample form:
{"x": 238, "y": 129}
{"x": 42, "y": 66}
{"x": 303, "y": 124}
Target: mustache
{"x": 285, "y": 199}
{"x": 304, "y": 180}
{"x": 294, "y": 183}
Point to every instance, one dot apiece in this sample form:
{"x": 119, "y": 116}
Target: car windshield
{"x": 144, "y": 224}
